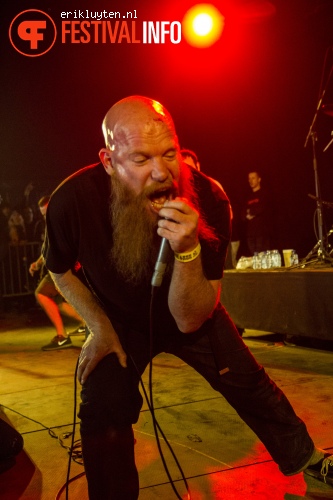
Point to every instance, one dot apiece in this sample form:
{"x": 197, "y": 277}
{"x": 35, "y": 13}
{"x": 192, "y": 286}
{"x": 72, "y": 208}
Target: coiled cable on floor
{"x": 73, "y": 451}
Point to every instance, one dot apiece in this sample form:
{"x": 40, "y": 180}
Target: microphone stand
{"x": 318, "y": 253}
{"x": 329, "y": 144}
{"x": 319, "y": 248}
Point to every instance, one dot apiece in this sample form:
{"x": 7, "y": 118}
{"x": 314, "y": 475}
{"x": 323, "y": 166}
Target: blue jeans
{"x": 111, "y": 400}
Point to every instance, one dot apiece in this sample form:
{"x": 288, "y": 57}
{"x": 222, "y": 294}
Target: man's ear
{"x": 105, "y": 157}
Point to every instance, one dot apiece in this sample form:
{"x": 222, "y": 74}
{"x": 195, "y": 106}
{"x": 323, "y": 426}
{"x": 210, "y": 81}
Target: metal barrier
{"x": 15, "y": 279}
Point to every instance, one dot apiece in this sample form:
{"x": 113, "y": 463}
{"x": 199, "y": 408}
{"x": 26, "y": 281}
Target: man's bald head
{"x": 131, "y": 112}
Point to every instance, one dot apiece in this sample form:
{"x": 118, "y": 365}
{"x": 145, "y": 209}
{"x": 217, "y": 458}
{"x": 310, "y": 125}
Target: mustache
{"x": 169, "y": 188}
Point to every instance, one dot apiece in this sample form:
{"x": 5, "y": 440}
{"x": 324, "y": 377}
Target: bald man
{"x": 110, "y": 217}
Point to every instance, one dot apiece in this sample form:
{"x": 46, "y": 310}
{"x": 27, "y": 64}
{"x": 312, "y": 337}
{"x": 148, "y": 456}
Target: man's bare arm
{"x": 103, "y": 339}
{"x": 192, "y": 297}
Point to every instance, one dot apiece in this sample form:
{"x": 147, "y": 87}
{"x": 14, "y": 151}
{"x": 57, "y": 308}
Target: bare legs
{"x": 54, "y": 310}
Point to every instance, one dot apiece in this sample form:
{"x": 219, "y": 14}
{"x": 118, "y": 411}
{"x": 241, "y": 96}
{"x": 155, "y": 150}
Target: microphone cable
{"x": 150, "y": 402}
{"x": 156, "y": 281}
{"x": 73, "y": 432}
{"x": 72, "y": 445}
{"x": 149, "y": 399}
{"x": 60, "y": 441}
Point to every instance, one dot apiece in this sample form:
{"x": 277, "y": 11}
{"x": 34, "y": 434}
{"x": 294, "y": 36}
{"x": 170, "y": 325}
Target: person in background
{"x": 51, "y": 301}
{"x": 16, "y": 228}
{"x": 256, "y": 215}
{"x": 38, "y": 265}
{"x": 29, "y": 223}
{"x": 40, "y": 226}
{"x": 190, "y": 158}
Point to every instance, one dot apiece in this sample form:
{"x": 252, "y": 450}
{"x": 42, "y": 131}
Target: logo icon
{"x": 32, "y": 33}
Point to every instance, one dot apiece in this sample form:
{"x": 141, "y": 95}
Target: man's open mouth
{"x": 158, "y": 198}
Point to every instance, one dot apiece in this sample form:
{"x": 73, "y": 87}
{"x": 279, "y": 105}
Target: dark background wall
{"x": 246, "y": 103}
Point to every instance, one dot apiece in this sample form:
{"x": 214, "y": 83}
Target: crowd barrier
{"x": 15, "y": 279}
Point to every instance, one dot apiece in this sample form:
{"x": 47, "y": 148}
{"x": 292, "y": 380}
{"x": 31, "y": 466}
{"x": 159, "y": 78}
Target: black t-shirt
{"x": 79, "y": 231}
{"x": 259, "y": 206}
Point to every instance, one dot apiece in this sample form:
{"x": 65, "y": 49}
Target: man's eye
{"x": 139, "y": 160}
{"x": 170, "y": 156}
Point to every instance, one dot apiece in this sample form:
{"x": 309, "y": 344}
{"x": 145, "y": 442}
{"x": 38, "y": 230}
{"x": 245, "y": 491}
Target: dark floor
{"x": 220, "y": 457}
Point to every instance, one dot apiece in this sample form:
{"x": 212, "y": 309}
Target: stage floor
{"x": 221, "y": 458}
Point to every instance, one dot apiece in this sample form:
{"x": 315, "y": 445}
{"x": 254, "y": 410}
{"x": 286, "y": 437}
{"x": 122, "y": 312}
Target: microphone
{"x": 162, "y": 260}
{"x": 161, "y": 263}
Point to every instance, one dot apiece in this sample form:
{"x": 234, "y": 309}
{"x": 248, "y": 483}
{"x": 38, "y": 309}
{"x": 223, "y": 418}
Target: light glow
{"x": 203, "y": 25}
{"x": 158, "y": 108}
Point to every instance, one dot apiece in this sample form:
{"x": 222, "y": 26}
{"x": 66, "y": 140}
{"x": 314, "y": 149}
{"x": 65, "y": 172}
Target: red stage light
{"x": 203, "y": 25}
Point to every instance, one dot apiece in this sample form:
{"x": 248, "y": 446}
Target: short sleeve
{"x": 62, "y": 231}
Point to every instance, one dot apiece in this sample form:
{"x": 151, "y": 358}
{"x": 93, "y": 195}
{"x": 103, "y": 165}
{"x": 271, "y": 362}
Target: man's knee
{"x": 110, "y": 397}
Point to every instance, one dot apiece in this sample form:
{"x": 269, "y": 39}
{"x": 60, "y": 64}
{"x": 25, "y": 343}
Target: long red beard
{"x": 135, "y": 239}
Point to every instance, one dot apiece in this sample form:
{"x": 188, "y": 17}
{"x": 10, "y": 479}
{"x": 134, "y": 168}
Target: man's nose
{"x": 160, "y": 171}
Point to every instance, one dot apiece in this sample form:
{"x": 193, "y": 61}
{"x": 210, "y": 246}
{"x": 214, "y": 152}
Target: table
{"x": 288, "y": 301}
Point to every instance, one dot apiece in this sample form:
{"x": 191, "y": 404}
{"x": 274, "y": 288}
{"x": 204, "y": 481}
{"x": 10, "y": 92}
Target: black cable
{"x": 70, "y": 449}
{"x": 151, "y": 399}
{"x": 58, "y": 495}
{"x": 150, "y": 402}
{"x": 161, "y": 432}
{"x": 76, "y": 453}
{"x": 73, "y": 432}
{"x": 50, "y": 431}
{"x": 74, "y": 444}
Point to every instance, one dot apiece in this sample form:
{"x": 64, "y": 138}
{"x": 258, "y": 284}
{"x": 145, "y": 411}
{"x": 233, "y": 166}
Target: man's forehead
{"x": 144, "y": 133}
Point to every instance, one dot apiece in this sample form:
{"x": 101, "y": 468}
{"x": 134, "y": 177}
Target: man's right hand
{"x": 33, "y": 268}
{"x": 103, "y": 339}
{"x": 95, "y": 348}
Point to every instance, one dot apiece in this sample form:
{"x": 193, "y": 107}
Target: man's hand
{"x": 192, "y": 297}
{"x": 95, "y": 349}
{"x": 36, "y": 266}
{"x": 103, "y": 339}
{"x": 33, "y": 268}
{"x": 179, "y": 224}
{"x": 248, "y": 215}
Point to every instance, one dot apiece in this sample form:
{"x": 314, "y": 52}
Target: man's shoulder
{"x": 207, "y": 186}
{"x": 95, "y": 170}
{"x": 82, "y": 182}
{"x": 263, "y": 193}
{"x": 86, "y": 189}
